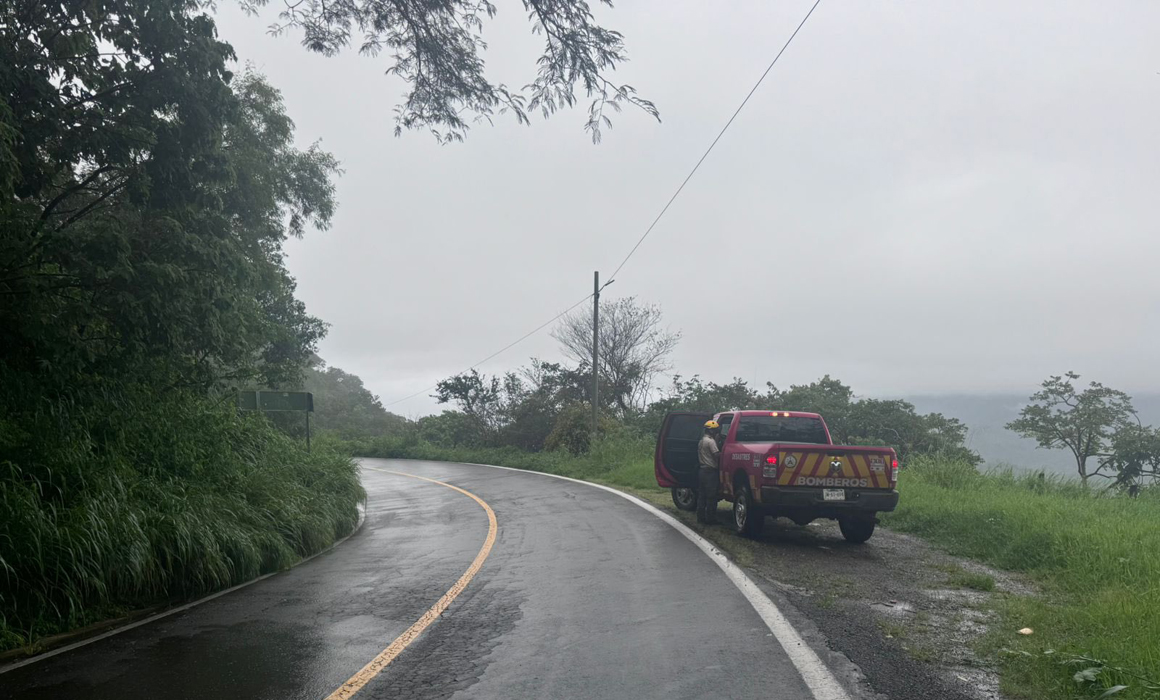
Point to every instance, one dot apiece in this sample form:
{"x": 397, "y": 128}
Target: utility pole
{"x": 595, "y": 353}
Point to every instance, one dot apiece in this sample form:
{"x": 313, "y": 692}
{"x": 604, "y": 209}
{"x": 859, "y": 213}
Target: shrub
{"x": 572, "y": 431}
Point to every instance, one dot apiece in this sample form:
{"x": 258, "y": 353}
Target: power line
{"x": 710, "y": 149}
{"x": 612, "y": 277}
{"x": 502, "y": 350}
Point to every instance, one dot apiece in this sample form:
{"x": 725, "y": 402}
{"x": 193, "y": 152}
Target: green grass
{"x": 977, "y": 582}
{"x": 145, "y": 499}
{"x": 1095, "y": 557}
{"x": 961, "y": 578}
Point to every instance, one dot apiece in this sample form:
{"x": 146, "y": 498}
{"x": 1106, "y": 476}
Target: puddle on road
{"x": 982, "y": 683}
{"x": 961, "y": 596}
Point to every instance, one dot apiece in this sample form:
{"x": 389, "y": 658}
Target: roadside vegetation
{"x": 137, "y": 503}
{"x": 146, "y": 191}
{"x": 1095, "y": 555}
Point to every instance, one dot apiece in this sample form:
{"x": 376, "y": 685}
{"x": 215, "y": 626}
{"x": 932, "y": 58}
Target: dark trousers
{"x": 709, "y": 482}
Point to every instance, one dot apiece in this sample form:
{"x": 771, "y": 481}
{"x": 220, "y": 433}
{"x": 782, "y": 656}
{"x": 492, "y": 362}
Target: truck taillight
{"x": 770, "y": 470}
{"x": 894, "y": 471}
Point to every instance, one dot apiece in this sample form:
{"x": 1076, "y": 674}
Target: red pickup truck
{"x": 781, "y": 463}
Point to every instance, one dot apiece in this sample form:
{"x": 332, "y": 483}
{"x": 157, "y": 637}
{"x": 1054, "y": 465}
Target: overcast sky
{"x": 922, "y": 197}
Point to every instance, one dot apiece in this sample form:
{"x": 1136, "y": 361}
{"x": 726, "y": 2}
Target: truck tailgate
{"x": 835, "y": 466}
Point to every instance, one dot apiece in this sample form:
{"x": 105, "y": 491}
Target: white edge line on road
{"x": 813, "y": 670}
{"x": 362, "y": 516}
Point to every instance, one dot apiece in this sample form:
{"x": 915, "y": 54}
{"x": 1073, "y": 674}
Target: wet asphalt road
{"x": 584, "y": 595}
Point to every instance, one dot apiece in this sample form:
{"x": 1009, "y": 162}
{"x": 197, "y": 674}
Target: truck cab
{"x": 780, "y": 464}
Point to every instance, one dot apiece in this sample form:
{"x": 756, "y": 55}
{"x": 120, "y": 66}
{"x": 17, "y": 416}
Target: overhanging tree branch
{"x": 438, "y": 52}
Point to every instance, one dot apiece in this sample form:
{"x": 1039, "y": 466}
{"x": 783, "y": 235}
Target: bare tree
{"x": 634, "y": 349}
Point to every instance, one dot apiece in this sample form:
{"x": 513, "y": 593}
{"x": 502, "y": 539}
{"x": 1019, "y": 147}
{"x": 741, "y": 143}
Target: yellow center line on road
{"x": 386, "y": 656}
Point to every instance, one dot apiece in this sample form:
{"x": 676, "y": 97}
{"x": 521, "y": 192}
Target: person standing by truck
{"x": 709, "y": 473}
{"x": 775, "y": 464}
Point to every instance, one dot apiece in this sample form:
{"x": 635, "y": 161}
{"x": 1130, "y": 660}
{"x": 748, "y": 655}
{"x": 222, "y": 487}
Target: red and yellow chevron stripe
{"x": 814, "y": 463}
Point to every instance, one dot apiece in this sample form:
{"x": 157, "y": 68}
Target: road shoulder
{"x": 904, "y": 619}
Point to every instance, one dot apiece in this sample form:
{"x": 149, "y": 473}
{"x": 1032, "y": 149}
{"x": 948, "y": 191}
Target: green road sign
{"x": 276, "y": 401}
{"x": 256, "y": 400}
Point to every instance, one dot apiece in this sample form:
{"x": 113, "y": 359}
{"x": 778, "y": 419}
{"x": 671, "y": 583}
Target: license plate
{"x": 833, "y": 494}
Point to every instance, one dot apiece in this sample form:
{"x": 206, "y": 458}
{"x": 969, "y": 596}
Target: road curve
{"x": 583, "y": 595}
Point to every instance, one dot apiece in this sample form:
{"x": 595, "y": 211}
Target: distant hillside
{"x": 986, "y": 414}
{"x": 343, "y": 404}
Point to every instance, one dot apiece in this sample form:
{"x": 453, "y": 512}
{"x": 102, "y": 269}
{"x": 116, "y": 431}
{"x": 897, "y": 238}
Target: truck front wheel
{"x": 685, "y": 498}
{"x": 748, "y": 518}
{"x": 856, "y": 530}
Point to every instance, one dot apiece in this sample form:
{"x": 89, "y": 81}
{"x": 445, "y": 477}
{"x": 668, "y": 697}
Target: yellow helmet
{"x": 712, "y": 425}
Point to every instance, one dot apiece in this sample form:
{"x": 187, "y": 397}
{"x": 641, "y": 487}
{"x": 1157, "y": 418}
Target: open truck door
{"x": 676, "y": 456}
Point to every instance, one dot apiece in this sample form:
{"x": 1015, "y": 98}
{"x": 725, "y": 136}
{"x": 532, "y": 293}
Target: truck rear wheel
{"x": 856, "y": 530}
{"x": 748, "y": 517}
{"x": 685, "y": 498}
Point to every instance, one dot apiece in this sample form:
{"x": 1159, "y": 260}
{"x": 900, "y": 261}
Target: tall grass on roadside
{"x": 1095, "y": 555}
{"x": 139, "y": 499}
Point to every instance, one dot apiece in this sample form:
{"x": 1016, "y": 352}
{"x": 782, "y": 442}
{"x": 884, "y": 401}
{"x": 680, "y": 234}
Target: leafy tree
{"x": 99, "y": 153}
{"x": 558, "y": 383}
{"x": 146, "y": 195}
{"x": 695, "y": 395}
{"x": 827, "y": 396}
{"x": 1134, "y": 459}
{"x": 536, "y": 396}
{"x": 1083, "y": 422}
{"x": 634, "y": 350}
{"x": 896, "y": 423}
{"x": 889, "y": 422}
{"x": 436, "y": 47}
{"x": 519, "y": 408}
{"x": 452, "y": 429}
{"x": 480, "y": 398}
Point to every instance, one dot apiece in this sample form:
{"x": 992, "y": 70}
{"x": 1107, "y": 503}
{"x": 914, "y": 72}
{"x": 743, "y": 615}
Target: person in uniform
{"x": 709, "y": 473}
